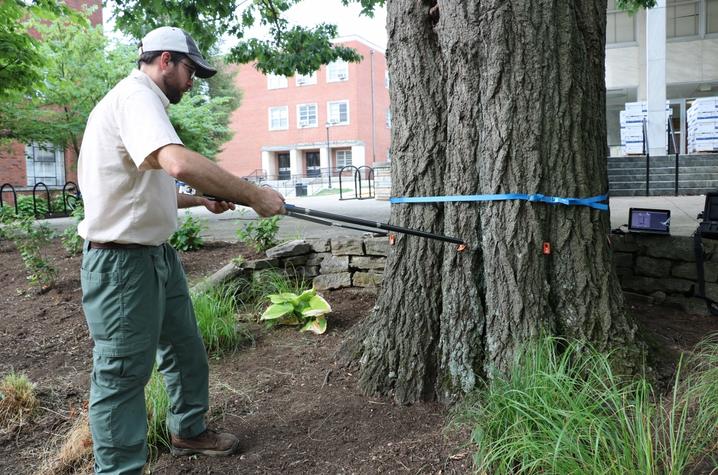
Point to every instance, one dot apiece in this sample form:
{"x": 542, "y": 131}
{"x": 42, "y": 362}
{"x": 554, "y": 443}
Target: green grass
{"x": 567, "y": 412}
{"x": 216, "y": 313}
{"x": 158, "y": 405}
{"x": 18, "y": 401}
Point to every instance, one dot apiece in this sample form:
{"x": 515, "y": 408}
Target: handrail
{"x": 672, "y": 134}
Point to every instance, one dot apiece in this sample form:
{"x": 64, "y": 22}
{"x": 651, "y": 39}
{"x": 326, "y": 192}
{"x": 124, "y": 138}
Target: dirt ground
{"x": 293, "y": 408}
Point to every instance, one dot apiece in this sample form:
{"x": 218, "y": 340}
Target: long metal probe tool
{"x": 370, "y": 224}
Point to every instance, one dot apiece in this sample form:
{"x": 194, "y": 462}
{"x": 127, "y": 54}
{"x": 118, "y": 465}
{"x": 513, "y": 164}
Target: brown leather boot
{"x": 209, "y": 442}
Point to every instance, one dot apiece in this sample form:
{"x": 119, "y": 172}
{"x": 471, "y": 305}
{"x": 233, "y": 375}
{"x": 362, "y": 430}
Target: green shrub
{"x": 25, "y": 207}
{"x": 30, "y": 239}
{"x": 566, "y": 412}
{"x": 187, "y": 237}
{"x": 216, "y": 313}
{"x": 252, "y": 294}
{"x": 262, "y": 234}
{"x": 71, "y": 241}
{"x": 158, "y": 403}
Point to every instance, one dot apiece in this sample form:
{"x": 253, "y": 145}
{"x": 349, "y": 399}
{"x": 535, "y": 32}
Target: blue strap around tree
{"x": 592, "y": 202}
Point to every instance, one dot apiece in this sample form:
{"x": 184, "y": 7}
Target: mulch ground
{"x": 293, "y": 408}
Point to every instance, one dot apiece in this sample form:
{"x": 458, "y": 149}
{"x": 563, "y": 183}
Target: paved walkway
{"x": 223, "y": 227}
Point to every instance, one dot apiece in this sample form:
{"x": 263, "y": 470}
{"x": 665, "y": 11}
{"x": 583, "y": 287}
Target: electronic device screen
{"x": 644, "y": 220}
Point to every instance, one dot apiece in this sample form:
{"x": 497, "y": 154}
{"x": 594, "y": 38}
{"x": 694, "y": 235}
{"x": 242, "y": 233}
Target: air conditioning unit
{"x": 304, "y": 123}
{"x": 301, "y": 81}
{"x": 341, "y": 77}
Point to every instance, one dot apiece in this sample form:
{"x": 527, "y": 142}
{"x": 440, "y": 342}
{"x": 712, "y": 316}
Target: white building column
{"x": 269, "y": 164}
{"x": 323, "y": 158}
{"x": 358, "y": 155}
{"x": 656, "y": 77}
{"x": 295, "y": 162}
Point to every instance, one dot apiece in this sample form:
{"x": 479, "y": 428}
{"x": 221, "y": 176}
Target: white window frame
{"x": 701, "y": 20}
{"x": 388, "y": 118}
{"x": 386, "y": 79}
{"x": 305, "y": 80}
{"x": 335, "y": 120}
{"x": 307, "y": 123}
{"x": 615, "y": 13}
{"x": 346, "y": 153}
{"x": 275, "y": 81}
{"x": 704, "y": 23}
{"x": 338, "y": 71}
{"x": 283, "y": 121}
{"x": 58, "y": 164}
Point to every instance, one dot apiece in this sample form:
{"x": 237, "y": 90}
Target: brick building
{"x": 304, "y": 127}
{"x": 24, "y": 165}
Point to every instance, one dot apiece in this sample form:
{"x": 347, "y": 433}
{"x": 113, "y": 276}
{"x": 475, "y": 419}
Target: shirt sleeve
{"x": 144, "y": 125}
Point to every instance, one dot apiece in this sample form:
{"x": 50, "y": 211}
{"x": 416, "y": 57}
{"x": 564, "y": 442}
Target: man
{"x": 135, "y": 293}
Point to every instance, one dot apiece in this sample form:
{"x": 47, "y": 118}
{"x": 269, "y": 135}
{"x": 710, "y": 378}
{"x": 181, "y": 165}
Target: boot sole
{"x": 179, "y": 452}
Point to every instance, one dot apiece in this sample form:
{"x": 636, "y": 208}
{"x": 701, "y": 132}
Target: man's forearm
{"x": 206, "y": 176}
{"x": 188, "y": 201}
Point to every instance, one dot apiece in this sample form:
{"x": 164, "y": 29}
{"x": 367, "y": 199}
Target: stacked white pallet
{"x": 703, "y": 125}
{"x": 632, "y": 119}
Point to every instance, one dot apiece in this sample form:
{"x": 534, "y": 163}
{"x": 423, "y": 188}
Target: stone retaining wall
{"x": 662, "y": 268}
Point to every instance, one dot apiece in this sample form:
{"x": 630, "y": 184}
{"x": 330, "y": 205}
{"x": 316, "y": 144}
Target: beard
{"x": 173, "y": 93}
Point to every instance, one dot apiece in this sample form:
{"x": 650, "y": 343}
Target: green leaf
{"x": 318, "y": 326}
{"x": 277, "y": 310}
{"x": 317, "y": 306}
{"x": 284, "y": 297}
{"x": 307, "y": 295}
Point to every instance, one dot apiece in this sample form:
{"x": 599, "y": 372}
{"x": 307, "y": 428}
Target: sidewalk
{"x": 684, "y": 210}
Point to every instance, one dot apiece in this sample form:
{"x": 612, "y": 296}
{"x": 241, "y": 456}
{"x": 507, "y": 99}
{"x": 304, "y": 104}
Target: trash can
{"x": 300, "y": 189}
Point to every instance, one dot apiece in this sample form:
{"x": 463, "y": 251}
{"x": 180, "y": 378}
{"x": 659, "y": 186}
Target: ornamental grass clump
{"x": 306, "y": 309}
{"x": 18, "y": 401}
{"x": 216, "y": 313}
{"x": 561, "y": 409}
{"x": 157, "y": 403}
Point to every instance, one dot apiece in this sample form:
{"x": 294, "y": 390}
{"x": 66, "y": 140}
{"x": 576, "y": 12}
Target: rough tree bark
{"x": 492, "y": 96}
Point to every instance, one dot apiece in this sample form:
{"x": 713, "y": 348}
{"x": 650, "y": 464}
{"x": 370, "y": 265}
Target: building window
{"x": 386, "y": 79}
{"x": 278, "y": 118}
{"x": 276, "y": 82}
{"x": 682, "y": 18}
{"x": 306, "y": 115}
{"x": 306, "y": 80}
{"x": 344, "y": 158}
{"x": 337, "y": 71}
{"x": 620, "y": 25}
{"x": 44, "y": 163}
{"x": 338, "y": 112}
{"x": 388, "y": 119}
{"x": 711, "y": 16}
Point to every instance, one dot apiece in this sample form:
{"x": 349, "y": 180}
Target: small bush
{"x": 262, "y": 234}
{"x": 187, "y": 237}
{"x": 306, "y": 309}
{"x": 216, "y": 313}
{"x": 71, "y": 241}
{"x": 252, "y": 294}
{"x": 30, "y": 239}
{"x": 17, "y": 400}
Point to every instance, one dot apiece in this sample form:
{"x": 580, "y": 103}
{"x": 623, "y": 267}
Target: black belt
{"x": 117, "y": 245}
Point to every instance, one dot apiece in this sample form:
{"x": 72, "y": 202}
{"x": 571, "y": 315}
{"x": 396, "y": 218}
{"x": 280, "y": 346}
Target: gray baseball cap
{"x": 169, "y": 38}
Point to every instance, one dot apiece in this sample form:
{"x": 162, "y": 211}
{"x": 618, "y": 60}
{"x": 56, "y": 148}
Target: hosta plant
{"x": 306, "y": 309}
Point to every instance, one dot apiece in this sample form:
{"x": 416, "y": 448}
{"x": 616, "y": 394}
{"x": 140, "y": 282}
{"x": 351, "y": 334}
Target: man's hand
{"x": 217, "y": 207}
{"x": 268, "y": 202}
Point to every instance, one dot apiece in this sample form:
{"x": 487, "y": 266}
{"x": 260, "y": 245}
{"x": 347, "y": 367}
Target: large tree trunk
{"x": 492, "y": 96}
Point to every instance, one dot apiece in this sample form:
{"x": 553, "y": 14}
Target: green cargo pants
{"x": 137, "y": 307}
